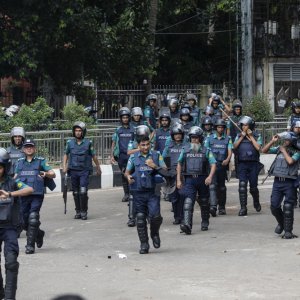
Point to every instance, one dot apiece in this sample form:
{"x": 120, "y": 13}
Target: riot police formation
{"x": 36, "y": 173}
{"x": 10, "y": 191}
{"x": 120, "y": 140}
{"x": 162, "y": 133}
{"x": 295, "y": 116}
{"x": 15, "y": 151}
{"x": 197, "y": 166}
{"x": 171, "y": 154}
{"x": 285, "y": 170}
{"x": 247, "y": 145}
{"x": 140, "y": 131}
{"x": 150, "y": 110}
{"x": 141, "y": 172}
{"x": 77, "y": 162}
{"x": 221, "y": 147}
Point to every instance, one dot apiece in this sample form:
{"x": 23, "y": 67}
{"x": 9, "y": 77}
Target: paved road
{"x": 238, "y": 258}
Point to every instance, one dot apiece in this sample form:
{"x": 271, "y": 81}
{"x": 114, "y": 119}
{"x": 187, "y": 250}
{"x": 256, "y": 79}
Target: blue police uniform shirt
{"x": 44, "y": 164}
{"x": 215, "y": 136}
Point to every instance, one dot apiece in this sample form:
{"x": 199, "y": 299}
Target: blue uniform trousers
{"x": 32, "y": 203}
{"x": 193, "y": 185}
{"x": 9, "y": 237}
{"x": 147, "y": 203}
{"x": 283, "y": 189}
{"x": 79, "y": 179}
{"x": 248, "y": 171}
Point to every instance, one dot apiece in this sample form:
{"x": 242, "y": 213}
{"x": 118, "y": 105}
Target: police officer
{"x": 207, "y": 126}
{"x": 141, "y": 170}
{"x": 193, "y": 164}
{"x": 17, "y": 136}
{"x": 247, "y": 145}
{"x": 174, "y": 109}
{"x": 120, "y": 140}
{"x": 285, "y": 169}
{"x": 295, "y": 116}
{"x": 150, "y": 111}
{"x": 171, "y": 155}
{"x": 162, "y": 133}
{"x": 237, "y": 114}
{"x": 186, "y": 120}
{"x": 10, "y": 191}
{"x": 35, "y": 172}
{"x": 140, "y": 131}
{"x": 221, "y": 147}
{"x": 195, "y": 111}
{"x": 77, "y": 161}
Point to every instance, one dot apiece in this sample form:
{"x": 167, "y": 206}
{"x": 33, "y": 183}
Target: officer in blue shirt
{"x": 149, "y": 111}
{"x": 141, "y": 172}
{"x": 221, "y": 147}
{"x": 247, "y": 145}
{"x": 77, "y": 161}
{"x": 186, "y": 120}
{"x": 34, "y": 171}
{"x": 295, "y": 116}
{"x": 193, "y": 165}
{"x": 171, "y": 155}
{"x": 195, "y": 110}
{"x": 15, "y": 151}
{"x": 285, "y": 169}
{"x": 120, "y": 140}
{"x": 207, "y": 126}
{"x": 162, "y": 133}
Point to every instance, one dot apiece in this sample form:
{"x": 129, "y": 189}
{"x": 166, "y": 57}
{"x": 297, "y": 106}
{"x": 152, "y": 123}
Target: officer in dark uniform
{"x": 141, "y": 170}
{"x": 171, "y": 155}
{"x": 174, "y": 109}
{"x": 162, "y": 133}
{"x": 221, "y": 147}
{"x": 247, "y": 145}
{"x": 140, "y": 132}
{"x": 195, "y": 112}
{"x": 295, "y": 114}
{"x": 149, "y": 111}
{"x": 77, "y": 161}
{"x": 10, "y": 191}
{"x": 207, "y": 126}
{"x": 193, "y": 164}
{"x": 33, "y": 170}
{"x": 237, "y": 114}
{"x": 17, "y": 135}
{"x": 285, "y": 169}
{"x": 186, "y": 120}
{"x": 120, "y": 140}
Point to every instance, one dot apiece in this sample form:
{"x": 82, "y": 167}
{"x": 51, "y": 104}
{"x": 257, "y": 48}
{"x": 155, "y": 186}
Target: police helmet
{"x": 177, "y": 129}
{"x": 136, "y": 111}
{"x": 245, "y": 120}
{"x": 196, "y": 131}
{"x": 165, "y": 115}
{"x": 186, "y": 112}
{"x": 220, "y": 122}
{"x": 216, "y": 99}
{"x": 151, "y": 97}
{"x": 191, "y": 97}
{"x": 142, "y": 130}
{"x": 17, "y": 131}
{"x": 289, "y": 136}
{"x": 294, "y": 105}
{"x": 206, "y": 121}
{"x": 173, "y": 101}
{"x": 5, "y": 159}
{"x": 237, "y": 103}
{"x": 81, "y": 125}
{"x": 186, "y": 105}
{"x": 296, "y": 124}
{"x": 124, "y": 111}
{"x": 209, "y": 110}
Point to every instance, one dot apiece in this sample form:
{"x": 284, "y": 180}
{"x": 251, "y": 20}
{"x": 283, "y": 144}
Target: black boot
{"x": 131, "y": 212}
{"x": 40, "y": 238}
{"x": 222, "y": 197}
{"x": 33, "y": 227}
{"x": 11, "y": 270}
{"x": 83, "y": 203}
{"x": 141, "y": 225}
{"x": 278, "y": 214}
{"x": 213, "y": 200}
{"x": 154, "y": 230}
{"x": 255, "y": 195}
{"x": 204, "y": 205}
{"x": 243, "y": 198}
{"x": 288, "y": 221}
{"x": 77, "y": 204}
{"x": 1, "y": 285}
{"x": 186, "y": 226}
{"x": 125, "y": 188}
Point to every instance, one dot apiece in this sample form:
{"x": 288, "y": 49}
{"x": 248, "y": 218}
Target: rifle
{"x": 65, "y": 191}
{"x": 271, "y": 169}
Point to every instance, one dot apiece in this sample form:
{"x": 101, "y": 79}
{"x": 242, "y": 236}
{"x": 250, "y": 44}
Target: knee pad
{"x": 157, "y": 219}
{"x": 11, "y": 262}
{"x": 288, "y": 209}
{"x": 242, "y": 187}
{"x": 254, "y": 190}
{"x": 34, "y": 219}
{"x": 83, "y": 190}
{"x": 204, "y": 201}
{"x": 188, "y": 204}
{"x": 141, "y": 220}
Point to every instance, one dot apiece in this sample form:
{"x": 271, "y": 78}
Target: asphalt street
{"x": 237, "y": 258}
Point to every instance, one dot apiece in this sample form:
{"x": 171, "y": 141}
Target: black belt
{"x": 194, "y": 176}
{"x": 283, "y": 178}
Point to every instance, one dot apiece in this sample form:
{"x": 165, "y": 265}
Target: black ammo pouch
{"x": 6, "y": 210}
